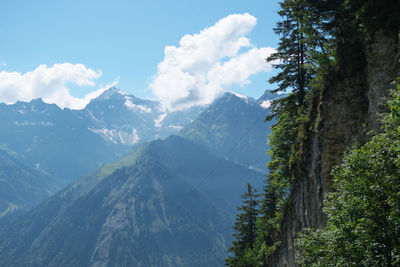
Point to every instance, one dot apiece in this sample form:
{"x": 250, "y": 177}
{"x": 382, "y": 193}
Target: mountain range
{"x": 233, "y": 127}
{"x": 70, "y": 143}
{"x": 156, "y": 207}
{"x": 169, "y": 201}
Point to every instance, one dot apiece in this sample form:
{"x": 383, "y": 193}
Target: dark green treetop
{"x": 245, "y": 230}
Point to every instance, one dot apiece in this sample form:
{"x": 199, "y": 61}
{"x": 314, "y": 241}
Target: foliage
{"x": 291, "y": 56}
{"x": 375, "y": 15}
{"x": 296, "y": 72}
{"x": 320, "y": 42}
{"x": 245, "y": 230}
{"x": 363, "y": 215}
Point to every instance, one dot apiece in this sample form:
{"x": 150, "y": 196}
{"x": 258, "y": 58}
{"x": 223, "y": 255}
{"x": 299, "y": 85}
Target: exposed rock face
{"x": 342, "y": 112}
{"x": 383, "y": 57}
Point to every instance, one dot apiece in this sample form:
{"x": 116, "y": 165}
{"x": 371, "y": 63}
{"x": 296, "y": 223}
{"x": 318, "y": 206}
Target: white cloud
{"x": 130, "y": 105}
{"x": 80, "y": 103}
{"x": 4, "y": 64}
{"x": 206, "y": 64}
{"x": 50, "y": 84}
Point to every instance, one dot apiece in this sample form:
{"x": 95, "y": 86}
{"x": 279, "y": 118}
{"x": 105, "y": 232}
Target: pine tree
{"x": 245, "y": 230}
{"x": 291, "y": 56}
{"x": 293, "y": 61}
{"x": 269, "y": 207}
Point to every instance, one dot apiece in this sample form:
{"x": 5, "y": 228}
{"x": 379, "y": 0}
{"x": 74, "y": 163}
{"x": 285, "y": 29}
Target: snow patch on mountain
{"x": 240, "y": 96}
{"x": 33, "y": 123}
{"x": 110, "y": 92}
{"x": 176, "y": 127}
{"x": 91, "y": 115}
{"x": 157, "y": 122}
{"x": 266, "y": 104}
{"x": 118, "y": 137}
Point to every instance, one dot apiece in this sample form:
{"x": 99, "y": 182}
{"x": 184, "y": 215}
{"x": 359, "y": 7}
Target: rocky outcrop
{"x": 342, "y": 112}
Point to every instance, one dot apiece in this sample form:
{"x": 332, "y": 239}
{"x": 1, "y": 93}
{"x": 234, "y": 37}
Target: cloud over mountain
{"x": 205, "y": 64}
{"x": 51, "y": 84}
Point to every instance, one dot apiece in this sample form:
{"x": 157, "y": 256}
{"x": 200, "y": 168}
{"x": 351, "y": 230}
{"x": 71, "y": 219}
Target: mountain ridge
{"x": 99, "y": 208}
{"x": 21, "y": 186}
{"x": 243, "y": 118}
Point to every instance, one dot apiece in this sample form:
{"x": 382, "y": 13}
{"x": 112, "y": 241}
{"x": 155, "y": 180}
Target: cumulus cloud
{"x": 50, "y": 84}
{"x": 206, "y": 64}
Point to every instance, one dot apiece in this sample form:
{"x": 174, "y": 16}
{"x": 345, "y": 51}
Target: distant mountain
{"x": 266, "y": 99}
{"x": 71, "y": 143}
{"x": 221, "y": 180}
{"x": 233, "y": 127}
{"x": 22, "y": 187}
{"x": 56, "y": 140}
{"x": 125, "y": 119}
{"x": 166, "y": 203}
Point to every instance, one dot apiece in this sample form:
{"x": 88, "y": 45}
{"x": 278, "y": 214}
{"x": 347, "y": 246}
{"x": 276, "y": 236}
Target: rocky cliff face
{"x": 342, "y": 112}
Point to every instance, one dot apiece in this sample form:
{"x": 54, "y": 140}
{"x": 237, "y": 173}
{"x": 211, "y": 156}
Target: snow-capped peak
{"x": 239, "y": 95}
{"x": 111, "y": 91}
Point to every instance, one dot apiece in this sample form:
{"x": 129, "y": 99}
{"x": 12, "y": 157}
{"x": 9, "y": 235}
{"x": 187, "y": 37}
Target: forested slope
{"x": 339, "y": 59}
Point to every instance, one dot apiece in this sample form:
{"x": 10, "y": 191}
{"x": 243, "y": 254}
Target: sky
{"x": 183, "y": 53}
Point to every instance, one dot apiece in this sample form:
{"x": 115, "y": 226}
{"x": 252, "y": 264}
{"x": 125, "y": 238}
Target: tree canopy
{"x": 245, "y": 230}
{"x": 363, "y": 214}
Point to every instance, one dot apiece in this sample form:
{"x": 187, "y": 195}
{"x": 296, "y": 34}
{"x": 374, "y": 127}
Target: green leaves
{"x": 363, "y": 215}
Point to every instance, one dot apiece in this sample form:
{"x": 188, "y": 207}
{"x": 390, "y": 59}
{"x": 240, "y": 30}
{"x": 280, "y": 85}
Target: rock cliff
{"x": 343, "y": 110}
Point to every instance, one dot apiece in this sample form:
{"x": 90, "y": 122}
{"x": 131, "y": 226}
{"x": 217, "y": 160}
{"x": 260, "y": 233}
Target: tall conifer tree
{"x": 245, "y": 229}
{"x": 291, "y": 55}
{"x": 293, "y": 62}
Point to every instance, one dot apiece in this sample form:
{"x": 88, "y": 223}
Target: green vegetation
{"x": 21, "y": 186}
{"x": 291, "y": 57}
{"x": 245, "y": 230}
{"x": 321, "y": 43}
{"x": 363, "y": 215}
{"x": 151, "y": 208}
{"x": 296, "y": 73}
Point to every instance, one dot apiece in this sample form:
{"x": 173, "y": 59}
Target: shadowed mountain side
{"x": 134, "y": 216}
{"x": 190, "y": 163}
{"x": 233, "y": 127}
{"x": 21, "y": 186}
{"x": 57, "y": 140}
{"x": 138, "y": 211}
{"x": 221, "y": 180}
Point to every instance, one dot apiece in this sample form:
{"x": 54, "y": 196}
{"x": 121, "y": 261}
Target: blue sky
{"x": 125, "y": 40}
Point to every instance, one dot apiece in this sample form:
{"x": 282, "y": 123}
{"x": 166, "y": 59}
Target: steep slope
{"x": 122, "y": 118}
{"x": 149, "y": 209}
{"x": 71, "y": 143}
{"x": 56, "y": 140}
{"x": 233, "y": 127}
{"x": 125, "y": 119}
{"x": 342, "y": 112}
{"x": 22, "y": 187}
{"x": 219, "y": 179}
